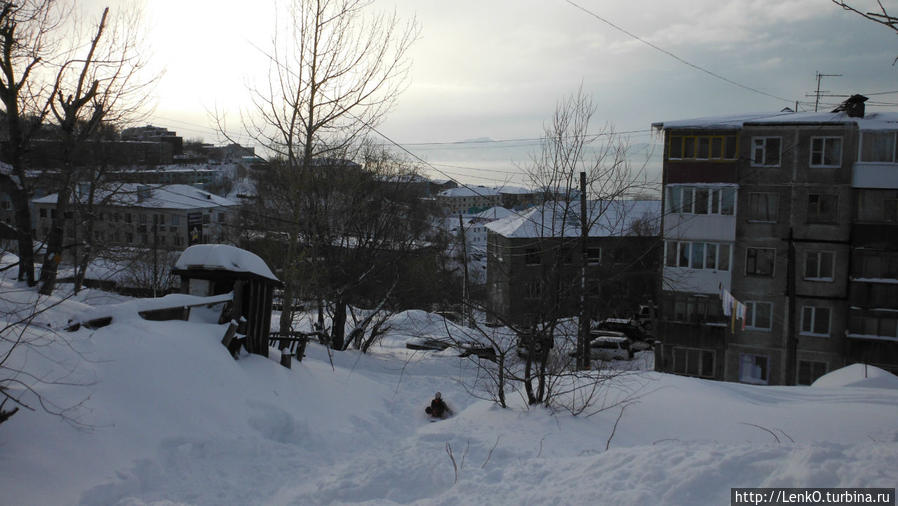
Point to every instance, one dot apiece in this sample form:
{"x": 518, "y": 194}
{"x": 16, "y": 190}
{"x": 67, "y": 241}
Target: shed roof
{"x": 223, "y": 257}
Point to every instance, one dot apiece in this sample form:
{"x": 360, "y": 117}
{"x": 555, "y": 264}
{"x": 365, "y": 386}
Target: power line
{"x": 675, "y": 57}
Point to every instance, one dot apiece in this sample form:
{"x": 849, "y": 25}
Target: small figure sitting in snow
{"x": 438, "y": 408}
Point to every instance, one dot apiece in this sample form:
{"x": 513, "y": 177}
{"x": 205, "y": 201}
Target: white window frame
{"x": 763, "y": 147}
{"x": 752, "y": 379}
{"x": 754, "y": 315}
{"x": 714, "y": 200}
{"x": 813, "y": 330}
{"x": 822, "y": 151}
{"x": 677, "y": 248}
{"x": 819, "y": 254}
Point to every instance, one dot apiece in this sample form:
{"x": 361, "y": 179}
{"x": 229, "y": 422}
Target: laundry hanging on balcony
{"x": 733, "y": 308}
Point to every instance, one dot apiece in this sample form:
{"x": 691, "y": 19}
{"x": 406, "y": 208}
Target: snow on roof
{"x": 469, "y": 191}
{"x": 871, "y": 121}
{"x": 494, "y": 213}
{"x": 223, "y": 256}
{"x": 562, "y": 219}
{"x": 173, "y": 196}
{"x": 515, "y": 190}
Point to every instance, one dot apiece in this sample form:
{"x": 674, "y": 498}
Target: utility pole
{"x": 583, "y": 335}
{"x": 155, "y": 257}
{"x": 464, "y": 250}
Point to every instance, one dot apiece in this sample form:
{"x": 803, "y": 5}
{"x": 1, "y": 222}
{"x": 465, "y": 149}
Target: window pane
{"x": 826, "y": 264}
{"x": 676, "y": 147}
{"x": 817, "y": 151}
{"x": 671, "y": 256}
{"x": 674, "y": 195}
{"x": 773, "y": 151}
{"x": 679, "y": 360}
{"x": 723, "y": 259}
{"x": 762, "y": 315}
{"x": 832, "y": 152}
{"x": 727, "y": 201}
{"x": 877, "y": 146}
{"x": 757, "y": 156}
{"x": 716, "y": 147}
{"x": 821, "y": 320}
{"x": 687, "y": 199}
{"x": 701, "y": 201}
{"x": 730, "y": 147}
{"x": 715, "y": 201}
{"x": 810, "y": 265}
{"x": 704, "y": 147}
{"x": 710, "y": 256}
{"x": 806, "y": 319}
{"x": 689, "y": 147}
{"x": 692, "y": 362}
{"x": 684, "y": 254}
{"x": 698, "y": 255}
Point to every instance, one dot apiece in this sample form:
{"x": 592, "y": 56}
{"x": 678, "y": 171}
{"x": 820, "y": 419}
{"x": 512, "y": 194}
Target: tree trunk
{"x": 24, "y": 236}
{"x": 338, "y": 331}
{"x": 54, "y": 239}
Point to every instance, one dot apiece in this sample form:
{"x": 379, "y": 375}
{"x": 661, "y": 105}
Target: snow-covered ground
{"x": 159, "y": 413}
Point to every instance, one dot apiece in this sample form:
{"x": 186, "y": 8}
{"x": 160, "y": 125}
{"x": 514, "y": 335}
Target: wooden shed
{"x": 213, "y": 269}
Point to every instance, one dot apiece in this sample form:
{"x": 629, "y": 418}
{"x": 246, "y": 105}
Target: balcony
{"x": 874, "y": 175}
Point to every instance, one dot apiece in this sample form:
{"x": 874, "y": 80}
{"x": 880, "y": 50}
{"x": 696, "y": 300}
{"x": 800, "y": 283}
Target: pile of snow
{"x": 858, "y": 375}
{"x": 223, "y": 256}
{"x": 159, "y": 412}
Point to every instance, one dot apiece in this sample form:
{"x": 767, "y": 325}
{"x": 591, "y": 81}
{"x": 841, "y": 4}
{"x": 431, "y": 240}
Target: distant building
{"x": 534, "y": 260}
{"x": 166, "y": 217}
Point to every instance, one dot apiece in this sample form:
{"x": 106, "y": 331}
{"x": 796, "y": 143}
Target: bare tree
{"x": 882, "y": 17}
{"x": 585, "y": 178}
{"x": 99, "y": 88}
{"x": 335, "y": 71}
{"x": 27, "y": 38}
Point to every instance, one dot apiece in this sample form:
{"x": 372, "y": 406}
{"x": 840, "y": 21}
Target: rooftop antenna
{"x": 819, "y": 92}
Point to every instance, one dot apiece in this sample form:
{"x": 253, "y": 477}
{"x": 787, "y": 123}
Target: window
{"x": 765, "y": 151}
{"x": 207, "y": 219}
{"x": 822, "y": 208}
{"x": 878, "y": 147}
{"x": 826, "y": 151}
{"x": 759, "y": 315}
{"x": 702, "y": 147}
{"x": 221, "y": 217}
{"x": 175, "y": 219}
{"x": 753, "y": 369}
{"x": 815, "y": 321}
{"x": 818, "y": 265}
{"x": 694, "y": 362}
{"x": 127, "y": 217}
{"x": 531, "y": 256}
{"x": 697, "y": 255}
{"x": 809, "y": 371}
{"x": 759, "y": 261}
{"x": 593, "y": 255}
{"x": 43, "y": 213}
{"x": 890, "y": 210}
{"x": 141, "y": 218}
{"x": 874, "y": 325}
{"x": 701, "y": 200}
{"x": 762, "y": 207}
{"x": 129, "y": 237}
{"x": 534, "y": 289}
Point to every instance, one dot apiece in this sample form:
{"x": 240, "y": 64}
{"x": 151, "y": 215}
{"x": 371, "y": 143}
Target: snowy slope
{"x": 167, "y": 415}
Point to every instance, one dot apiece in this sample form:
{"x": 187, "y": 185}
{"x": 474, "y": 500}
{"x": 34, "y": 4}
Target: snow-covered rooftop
{"x": 494, "y": 213}
{"x": 469, "y": 191}
{"x": 223, "y": 256}
{"x": 562, "y": 219}
{"x": 871, "y": 121}
{"x": 173, "y": 196}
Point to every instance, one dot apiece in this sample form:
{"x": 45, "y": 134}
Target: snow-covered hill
{"x": 161, "y": 414}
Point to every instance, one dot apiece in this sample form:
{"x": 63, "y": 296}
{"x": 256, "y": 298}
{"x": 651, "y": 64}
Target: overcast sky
{"x": 496, "y": 69}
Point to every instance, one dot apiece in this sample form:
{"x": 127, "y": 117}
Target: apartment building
{"x": 801, "y": 205}
{"x": 165, "y": 217}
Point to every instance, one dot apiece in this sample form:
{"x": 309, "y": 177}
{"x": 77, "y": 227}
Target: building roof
{"x": 173, "y": 196}
{"x": 871, "y": 121}
{"x": 493, "y": 213}
{"x": 562, "y": 219}
{"x": 223, "y": 257}
{"x": 469, "y": 191}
